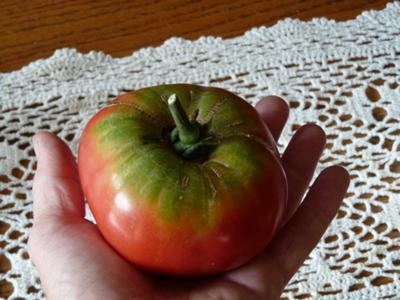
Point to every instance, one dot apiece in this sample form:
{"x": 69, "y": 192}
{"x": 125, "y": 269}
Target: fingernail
{"x": 36, "y": 145}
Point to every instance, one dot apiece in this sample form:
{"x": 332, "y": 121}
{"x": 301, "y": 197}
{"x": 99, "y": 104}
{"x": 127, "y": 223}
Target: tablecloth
{"x": 344, "y": 76}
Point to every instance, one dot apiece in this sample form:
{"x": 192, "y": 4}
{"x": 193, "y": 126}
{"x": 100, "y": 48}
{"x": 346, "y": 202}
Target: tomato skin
{"x": 213, "y": 223}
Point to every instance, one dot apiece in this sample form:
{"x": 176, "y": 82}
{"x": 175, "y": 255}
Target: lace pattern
{"x": 344, "y": 76}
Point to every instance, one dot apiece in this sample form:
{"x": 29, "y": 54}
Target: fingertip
{"x": 56, "y": 188}
{"x": 40, "y": 135}
{"x": 313, "y": 130}
{"x": 274, "y": 111}
{"x": 273, "y": 103}
{"x": 44, "y": 140}
{"x": 332, "y": 183}
{"x": 53, "y": 155}
{"x": 36, "y": 141}
{"x": 338, "y": 175}
{"x": 308, "y": 143}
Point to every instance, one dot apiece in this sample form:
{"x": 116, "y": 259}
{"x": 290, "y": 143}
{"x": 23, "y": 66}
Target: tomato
{"x": 182, "y": 179}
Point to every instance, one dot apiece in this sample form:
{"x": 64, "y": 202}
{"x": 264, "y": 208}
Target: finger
{"x": 297, "y": 239}
{"x": 274, "y": 112}
{"x": 299, "y": 161}
{"x": 56, "y": 188}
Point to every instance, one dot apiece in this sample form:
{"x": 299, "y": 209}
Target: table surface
{"x": 34, "y": 29}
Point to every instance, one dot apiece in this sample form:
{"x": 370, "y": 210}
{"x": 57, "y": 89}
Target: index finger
{"x": 274, "y": 111}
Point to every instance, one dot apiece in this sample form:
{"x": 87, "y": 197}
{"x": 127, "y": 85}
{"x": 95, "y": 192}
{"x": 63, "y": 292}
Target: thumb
{"x": 56, "y": 187}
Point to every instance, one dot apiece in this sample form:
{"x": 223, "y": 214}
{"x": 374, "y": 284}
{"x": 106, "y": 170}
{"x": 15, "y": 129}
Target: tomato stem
{"x": 188, "y": 132}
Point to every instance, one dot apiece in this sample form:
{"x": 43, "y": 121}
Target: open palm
{"x": 74, "y": 261}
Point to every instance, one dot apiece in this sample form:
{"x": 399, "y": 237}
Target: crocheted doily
{"x": 344, "y": 76}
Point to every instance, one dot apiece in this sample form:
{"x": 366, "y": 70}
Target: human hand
{"x": 74, "y": 261}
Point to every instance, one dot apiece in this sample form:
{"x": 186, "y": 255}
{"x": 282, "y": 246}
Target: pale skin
{"x": 75, "y": 262}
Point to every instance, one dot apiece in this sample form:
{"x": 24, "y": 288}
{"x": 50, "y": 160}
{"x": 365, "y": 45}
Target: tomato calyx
{"x": 189, "y": 138}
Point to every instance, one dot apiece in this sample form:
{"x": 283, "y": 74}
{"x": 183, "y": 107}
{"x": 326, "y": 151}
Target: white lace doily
{"x": 344, "y": 76}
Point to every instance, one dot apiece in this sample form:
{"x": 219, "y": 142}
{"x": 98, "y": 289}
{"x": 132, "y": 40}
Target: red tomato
{"x": 189, "y": 186}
